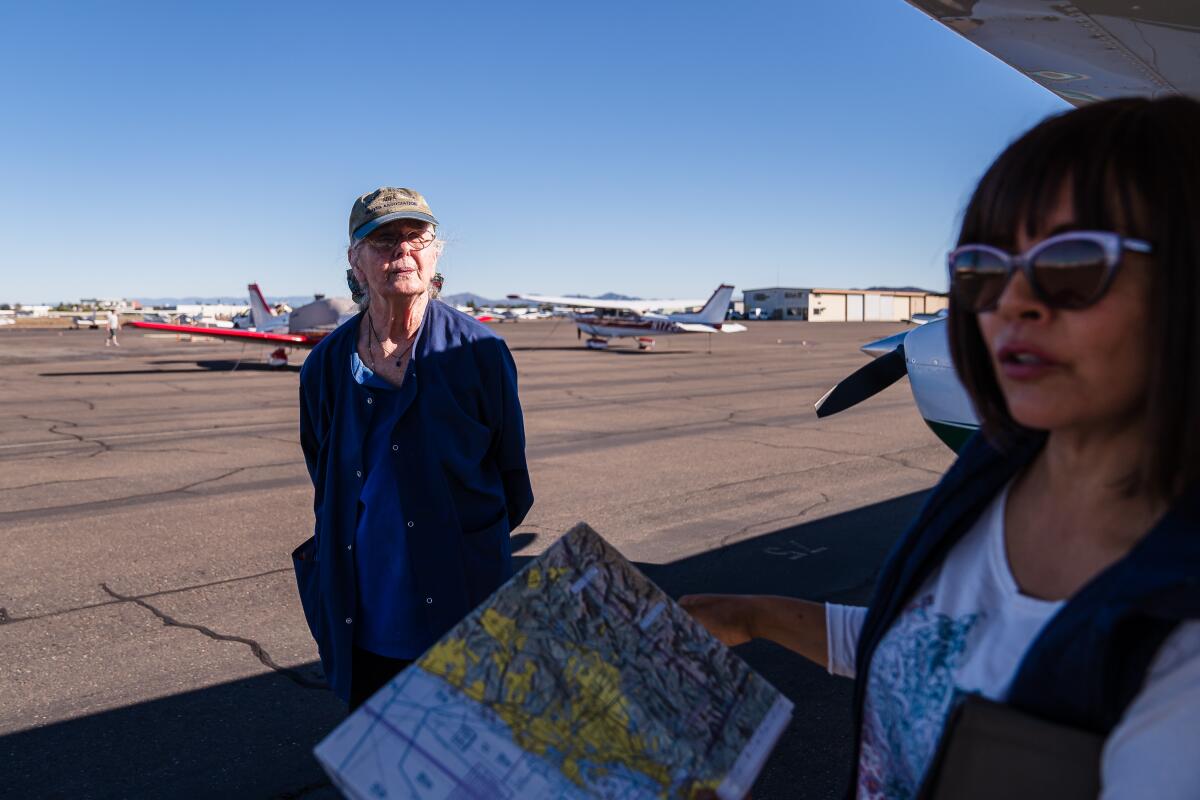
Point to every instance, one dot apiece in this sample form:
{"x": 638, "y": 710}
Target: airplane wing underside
{"x": 288, "y": 339}
{"x": 639, "y": 306}
{"x": 1086, "y": 50}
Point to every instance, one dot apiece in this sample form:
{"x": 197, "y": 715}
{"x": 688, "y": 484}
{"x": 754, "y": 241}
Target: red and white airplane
{"x": 643, "y": 319}
{"x": 301, "y": 328}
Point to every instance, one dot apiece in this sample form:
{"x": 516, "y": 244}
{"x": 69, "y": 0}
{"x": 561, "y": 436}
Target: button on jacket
{"x": 459, "y": 442}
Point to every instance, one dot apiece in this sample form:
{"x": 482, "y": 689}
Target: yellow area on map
{"x": 533, "y": 576}
{"x": 588, "y": 724}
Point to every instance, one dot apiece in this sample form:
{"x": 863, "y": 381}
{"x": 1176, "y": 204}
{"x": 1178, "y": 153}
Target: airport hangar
{"x": 839, "y": 305}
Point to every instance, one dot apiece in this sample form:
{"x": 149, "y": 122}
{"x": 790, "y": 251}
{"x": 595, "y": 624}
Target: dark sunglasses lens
{"x": 1070, "y": 274}
{"x": 978, "y": 277}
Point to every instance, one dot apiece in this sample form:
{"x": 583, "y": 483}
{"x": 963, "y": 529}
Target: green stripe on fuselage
{"x": 952, "y": 435}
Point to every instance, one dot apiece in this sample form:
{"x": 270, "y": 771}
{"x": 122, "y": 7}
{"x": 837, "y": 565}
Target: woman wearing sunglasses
{"x": 1056, "y": 566}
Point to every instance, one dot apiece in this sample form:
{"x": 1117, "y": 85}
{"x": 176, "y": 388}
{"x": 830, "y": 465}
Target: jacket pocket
{"x": 308, "y": 582}
{"x": 487, "y": 559}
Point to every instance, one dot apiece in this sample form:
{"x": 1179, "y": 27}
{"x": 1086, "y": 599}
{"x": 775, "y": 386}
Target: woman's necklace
{"x": 382, "y": 350}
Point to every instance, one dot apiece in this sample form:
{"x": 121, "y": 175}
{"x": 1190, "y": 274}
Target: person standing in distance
{"x": 413, "y": 436}
{"x": 112, "y": 324}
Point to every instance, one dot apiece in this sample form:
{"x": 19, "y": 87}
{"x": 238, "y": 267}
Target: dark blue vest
{"x": 1090, "y": 660}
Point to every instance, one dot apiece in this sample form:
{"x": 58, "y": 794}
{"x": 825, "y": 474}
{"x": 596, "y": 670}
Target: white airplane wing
{"x": 639, "y": 306}
{"x": 700, "y": 327}
{"x": 1086, "y": 50}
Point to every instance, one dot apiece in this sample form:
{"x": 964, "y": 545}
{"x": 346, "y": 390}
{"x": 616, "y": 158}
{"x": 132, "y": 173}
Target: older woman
{"x": 1056, "y": 567}
{"x": 412, "y": 432}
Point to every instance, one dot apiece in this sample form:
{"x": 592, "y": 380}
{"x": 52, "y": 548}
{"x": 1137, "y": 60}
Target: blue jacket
{"x": 1090, "y": 660}
{"x": 461, "y": 447}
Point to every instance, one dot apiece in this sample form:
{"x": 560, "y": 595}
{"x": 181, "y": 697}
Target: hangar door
{"x": 854, "y": 308}
{"x": 871, "y": 308}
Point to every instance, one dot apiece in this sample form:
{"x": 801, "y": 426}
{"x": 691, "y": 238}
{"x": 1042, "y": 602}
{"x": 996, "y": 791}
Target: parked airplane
{"x": 303, "y": 327}
{"x": 923, "y": 354}
{"x": 1081, "y": 53}
{"x": 608, "y": 319}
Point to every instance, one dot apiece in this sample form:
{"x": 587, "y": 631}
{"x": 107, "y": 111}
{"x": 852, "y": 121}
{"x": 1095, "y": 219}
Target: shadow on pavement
{"x": 612, "y": 351}
{"x": 215, "y": 366}
{"x": 254, "y": 737}
{"x": 250, "y": 738}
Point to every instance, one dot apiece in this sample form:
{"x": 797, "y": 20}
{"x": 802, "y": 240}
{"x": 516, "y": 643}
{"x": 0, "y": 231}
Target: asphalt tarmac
{"x": 151, "y": 639}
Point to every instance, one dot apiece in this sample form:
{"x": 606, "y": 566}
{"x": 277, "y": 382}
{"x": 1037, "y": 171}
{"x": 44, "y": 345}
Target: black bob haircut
{"x": 1134, "y": 167}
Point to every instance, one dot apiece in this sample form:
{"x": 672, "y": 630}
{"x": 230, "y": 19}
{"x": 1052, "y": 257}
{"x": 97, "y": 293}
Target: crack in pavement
{"x": 731, "y": 538}
{"x": 126, "y": 499}
{"x": 160, "y": 451}
{"x": 779, "y": 446}
{"x": 294, "y": 440}
{"x": 232, "y": 472}
{"x": 104, "y": 448}
{"x": 576, "y": 436}
{"x": 803, "y": 426}
{"x": 901, "y": 462}
{"x": 658, "y": 501}
{"x": 6, "y": 619}
{"x": 53, "y": 428}
{"x": 40, "y": 484}
{"x": 262, "y": 655}
{"x": 185, "y": 433}
{"x": 299, "y": 481}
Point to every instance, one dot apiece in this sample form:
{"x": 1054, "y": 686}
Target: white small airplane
{"x": 1082, "y": 53}
{"x": 301, "y": 328}
{"x": 642, "y": 319}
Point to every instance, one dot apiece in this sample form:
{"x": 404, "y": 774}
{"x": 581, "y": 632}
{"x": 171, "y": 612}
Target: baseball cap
{"x": 385, "y": 205}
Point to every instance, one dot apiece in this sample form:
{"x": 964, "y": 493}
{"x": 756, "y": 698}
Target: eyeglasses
{"x": 1069, "y": 271}
{"x": 387, "y": 241}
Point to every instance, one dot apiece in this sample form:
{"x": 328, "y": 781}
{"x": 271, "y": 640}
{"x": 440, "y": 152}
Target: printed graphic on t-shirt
{"x": 909, "y": 695}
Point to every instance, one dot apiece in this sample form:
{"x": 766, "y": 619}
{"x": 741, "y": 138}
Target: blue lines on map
{"x": 586, "y": 578}
{"x": 652, "y": 615}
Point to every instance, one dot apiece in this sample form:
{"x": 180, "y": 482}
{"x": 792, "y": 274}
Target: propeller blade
{"x": 869, "y": 380}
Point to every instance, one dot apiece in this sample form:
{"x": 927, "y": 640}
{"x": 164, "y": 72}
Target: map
{"x": 578, "y": 678}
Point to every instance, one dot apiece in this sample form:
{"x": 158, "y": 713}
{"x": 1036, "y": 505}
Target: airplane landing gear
{"x": 596, "y": 343}
{"x": 645, "y": 343}
{"x": 278, "y": 358}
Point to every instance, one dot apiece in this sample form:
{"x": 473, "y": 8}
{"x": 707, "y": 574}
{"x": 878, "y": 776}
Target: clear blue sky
{"x": 650, "y": 148}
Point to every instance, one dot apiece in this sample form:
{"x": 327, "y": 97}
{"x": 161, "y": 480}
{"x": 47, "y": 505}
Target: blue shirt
{"x": 388, "y": 623}
{"x": 465, "y": 481}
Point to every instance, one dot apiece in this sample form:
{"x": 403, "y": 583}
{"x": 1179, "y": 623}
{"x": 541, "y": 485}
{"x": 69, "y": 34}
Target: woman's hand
{"x": 726, "y": 616}
{"x": 798, "y": 625}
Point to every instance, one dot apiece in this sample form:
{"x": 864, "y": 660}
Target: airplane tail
{"x": 260, "y": 312}
{"x": 714, "y": 310}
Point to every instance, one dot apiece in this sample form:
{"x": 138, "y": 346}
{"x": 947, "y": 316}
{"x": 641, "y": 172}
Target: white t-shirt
{"x": 112, "y": 321}
{"x": 966, "y": 631}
